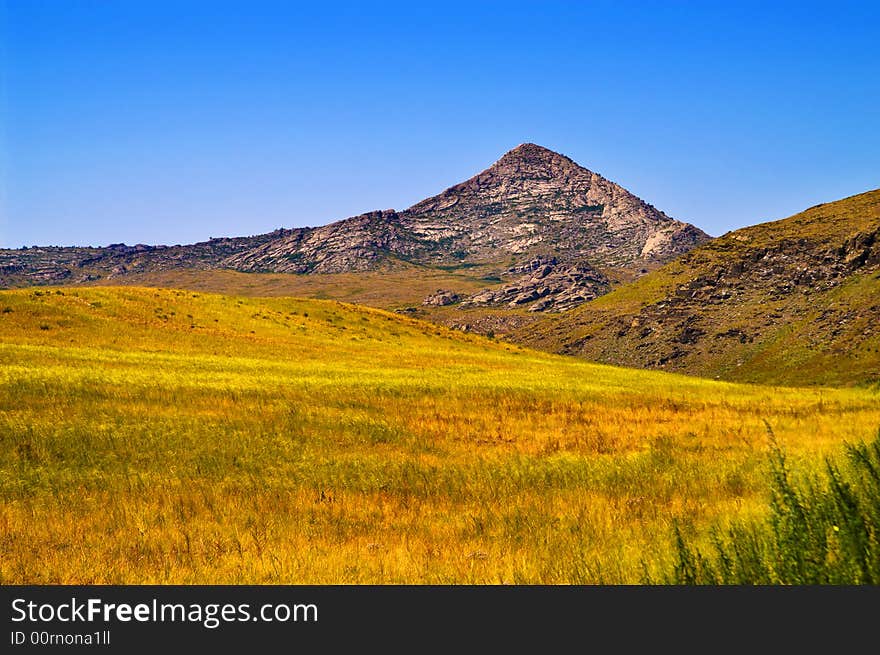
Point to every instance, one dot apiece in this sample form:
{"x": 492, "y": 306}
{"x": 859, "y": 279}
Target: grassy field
{"x": 387, "y": 289}
{"x": 159, "y": 436}
{"x": 394, "y": 289}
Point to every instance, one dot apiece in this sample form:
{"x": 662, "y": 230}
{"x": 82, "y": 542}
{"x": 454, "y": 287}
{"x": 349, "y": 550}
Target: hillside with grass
{"x": 402, "y": 290}
{"x": 398, "y": 289}
{"x": 796, "y": 301}
{"x": 162, "y": 436}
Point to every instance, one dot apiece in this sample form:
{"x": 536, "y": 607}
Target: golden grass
{"x": 156, "y": 436}
{"x": 386, "y": 289}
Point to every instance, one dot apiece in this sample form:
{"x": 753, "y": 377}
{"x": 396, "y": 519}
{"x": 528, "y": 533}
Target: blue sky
{"x": 173, "y": 122}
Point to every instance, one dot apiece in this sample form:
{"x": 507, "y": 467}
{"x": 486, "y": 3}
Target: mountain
{"x": 794, "y": 301}
{"x": 530, "y": 202}
{"x": 535, "y": 201}
{"x": 545, "y": 233}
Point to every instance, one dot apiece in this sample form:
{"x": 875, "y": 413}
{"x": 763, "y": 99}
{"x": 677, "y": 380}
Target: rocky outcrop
{"x": 442, "y": 298}
{"x": 72, "y": 265}
{"x": 360, "y": 243}
{"x": 543, "y": 284}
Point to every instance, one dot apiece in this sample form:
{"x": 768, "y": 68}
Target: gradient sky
{"x": 173, "y": 122}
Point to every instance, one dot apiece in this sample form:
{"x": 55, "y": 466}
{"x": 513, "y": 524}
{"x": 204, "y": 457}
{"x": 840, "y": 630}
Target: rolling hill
{"x": 795, "y": 301}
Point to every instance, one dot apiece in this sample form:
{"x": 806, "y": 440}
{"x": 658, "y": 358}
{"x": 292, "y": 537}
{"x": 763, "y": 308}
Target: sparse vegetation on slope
{"x": 156, "y": 436}
{"x": 388, "y": 289}
{"x": 795, "y": 301}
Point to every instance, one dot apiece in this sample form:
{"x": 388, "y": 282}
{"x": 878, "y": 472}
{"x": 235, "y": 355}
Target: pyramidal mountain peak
{"x": 529, "y": 160}
{"x": 532, "y": 154}
{"x": 534, "y": 216}
{"x": 536, "y": 200}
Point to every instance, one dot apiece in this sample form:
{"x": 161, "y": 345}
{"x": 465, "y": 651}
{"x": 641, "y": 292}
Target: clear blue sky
{"x": 173, "y": 122}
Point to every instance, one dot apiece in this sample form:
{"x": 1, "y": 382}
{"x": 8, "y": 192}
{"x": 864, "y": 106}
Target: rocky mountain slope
{"x": 77, "y": 265}
{"x": 793, "y": 301}
{"x": 547, "y": 231}
{"x": 531, "y": 203}
{"x": 536, "y": 201}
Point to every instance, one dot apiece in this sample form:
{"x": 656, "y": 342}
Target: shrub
{"x": 820, "y": 531}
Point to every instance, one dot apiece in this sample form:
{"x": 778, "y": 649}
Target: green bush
{"x": 820, "y": 531}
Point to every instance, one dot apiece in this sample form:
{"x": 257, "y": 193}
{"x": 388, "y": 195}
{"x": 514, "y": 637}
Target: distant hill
{"x": 792, "y": 301}
{"x": 545, "y": 234}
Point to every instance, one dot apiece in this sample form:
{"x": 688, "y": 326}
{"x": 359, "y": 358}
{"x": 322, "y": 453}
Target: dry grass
{"x": 387, "y": 289}
{"x": 155, "y": 436}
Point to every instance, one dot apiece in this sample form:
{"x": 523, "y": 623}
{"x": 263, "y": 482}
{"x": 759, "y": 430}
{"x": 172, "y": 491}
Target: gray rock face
{"x": 441, "y": 298}
{"x": 53, "y": 264}
{"x": 534, "y": 200}
{"x": 360, "y": 243}
{"x": 543, "y": 284}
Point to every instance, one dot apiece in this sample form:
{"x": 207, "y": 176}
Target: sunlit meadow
{"x": 157, "y": 436}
